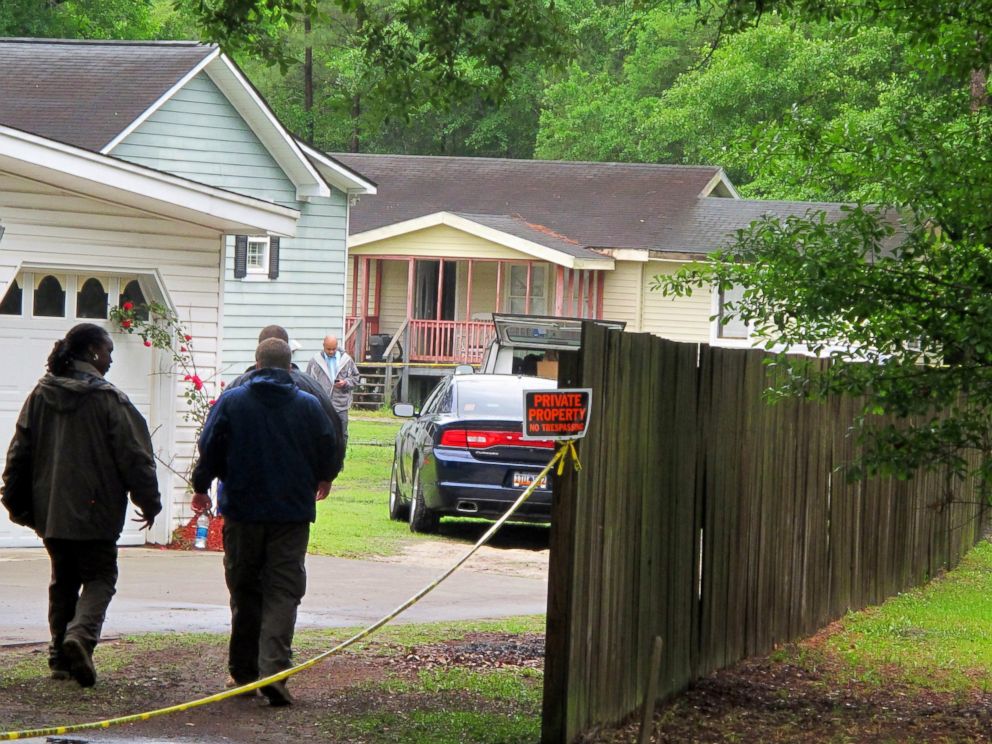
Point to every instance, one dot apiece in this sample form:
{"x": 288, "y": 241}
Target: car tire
{"x": 398, "y": 511}
{"x": 422, "y": 519}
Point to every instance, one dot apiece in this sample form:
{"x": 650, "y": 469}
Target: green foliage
{"x": 897, "y": 295}
{"x": 85, "y": 19}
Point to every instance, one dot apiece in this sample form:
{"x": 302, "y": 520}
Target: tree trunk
{"x": 356, "y": 128}
{"x": 979, "y": 90}
{"x": 308, "y": 82}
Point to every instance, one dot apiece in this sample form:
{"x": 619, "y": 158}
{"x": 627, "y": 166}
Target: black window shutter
{"x": 240, "y": 256}
{"x": 273, "y": 258}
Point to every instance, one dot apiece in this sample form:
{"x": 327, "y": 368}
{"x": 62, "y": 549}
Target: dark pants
{"x": 84, "y": 579}
{"x": 264, "y": 568}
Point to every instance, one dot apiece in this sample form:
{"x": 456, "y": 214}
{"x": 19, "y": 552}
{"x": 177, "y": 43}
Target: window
{"x": 736, "y": 328}
{"x": 517, "y": 298}
{"x": 258, "y": 255}
{"x": 49, "y": 298}
{"x": 91, "y": 300}
{"x": 13, "y": 300}
{"x": 132, "y": 293}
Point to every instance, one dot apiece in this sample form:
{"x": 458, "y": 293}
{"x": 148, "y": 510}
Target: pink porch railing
{"x": 454, "y": 341}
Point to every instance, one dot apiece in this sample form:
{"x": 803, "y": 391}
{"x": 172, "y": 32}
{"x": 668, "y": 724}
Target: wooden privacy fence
{"x": 719, "y": 523}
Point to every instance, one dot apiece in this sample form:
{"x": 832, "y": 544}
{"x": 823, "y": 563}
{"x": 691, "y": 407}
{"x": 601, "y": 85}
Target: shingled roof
{"x": 567, "y": 206}
{"x": 85, "y": 93}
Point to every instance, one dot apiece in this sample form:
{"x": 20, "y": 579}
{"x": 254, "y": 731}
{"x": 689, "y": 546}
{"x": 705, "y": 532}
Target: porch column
{"x": 377, "y": 301}
{"x": 363, "y": 333}
{"x": 559, "y": 289}
{"x": 440, "y": 288}
{"x": 468, "y": 293}
{"x": 410, "y": 270}
{"x": 354, "y": 285}
{"x": 499, "y": 285}
{"x": 530, "y": 265}
{"x": 599, "y": 295}
{"x": 570, "y": 292}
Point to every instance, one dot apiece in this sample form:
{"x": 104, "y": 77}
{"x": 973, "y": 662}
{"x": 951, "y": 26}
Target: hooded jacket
{"x": 80, "y": 446}
{"x": 271, "y": 444}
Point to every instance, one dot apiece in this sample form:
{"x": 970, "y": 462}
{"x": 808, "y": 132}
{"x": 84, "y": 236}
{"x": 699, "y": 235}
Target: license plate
{"x": 522, "y": 480}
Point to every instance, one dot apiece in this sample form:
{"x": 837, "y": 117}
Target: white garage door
{"x": 26, "y": 340}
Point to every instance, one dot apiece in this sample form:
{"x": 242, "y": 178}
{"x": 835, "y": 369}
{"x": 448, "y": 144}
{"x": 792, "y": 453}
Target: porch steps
{"x": 371, "y": 392}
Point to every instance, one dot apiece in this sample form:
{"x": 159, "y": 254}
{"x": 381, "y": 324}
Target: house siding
{"x": 51, "y": 227}
{"x": 678, "y": 318}
{"x": 627, "y": 296}
{"x": 440, "y": 241}
{"x": 198, "y": 134}
{"x": 622, "y": 294}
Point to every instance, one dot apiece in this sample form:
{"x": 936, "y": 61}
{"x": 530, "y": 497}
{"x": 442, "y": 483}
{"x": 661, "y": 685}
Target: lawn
{"x": 353, "y": 522}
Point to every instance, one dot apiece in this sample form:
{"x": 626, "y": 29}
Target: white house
{"x": 153, "y": 170}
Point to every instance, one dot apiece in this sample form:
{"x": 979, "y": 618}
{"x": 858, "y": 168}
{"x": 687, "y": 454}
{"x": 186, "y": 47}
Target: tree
{"x": 898, "y": 293}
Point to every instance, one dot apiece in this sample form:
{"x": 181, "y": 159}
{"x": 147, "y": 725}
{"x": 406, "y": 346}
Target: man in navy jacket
{"x": 272, "y": 445}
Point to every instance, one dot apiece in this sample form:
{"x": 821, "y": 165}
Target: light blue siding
{"x": 199, "y": 135}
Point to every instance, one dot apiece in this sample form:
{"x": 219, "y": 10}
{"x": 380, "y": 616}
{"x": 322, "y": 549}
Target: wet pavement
{"x": 175, "y": 591}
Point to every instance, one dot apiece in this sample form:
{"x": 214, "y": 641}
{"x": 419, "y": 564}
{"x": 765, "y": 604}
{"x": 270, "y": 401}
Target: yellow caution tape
{"x": 559, "y": 458}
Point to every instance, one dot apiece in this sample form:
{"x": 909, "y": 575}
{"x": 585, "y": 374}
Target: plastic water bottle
{"x": 202, "y": 527}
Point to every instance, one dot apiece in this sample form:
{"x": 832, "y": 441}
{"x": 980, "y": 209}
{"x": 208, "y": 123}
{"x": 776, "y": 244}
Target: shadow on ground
{"x": 511, "y": 536}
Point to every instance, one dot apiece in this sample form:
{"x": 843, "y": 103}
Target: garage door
{"x": 26, "y": 338}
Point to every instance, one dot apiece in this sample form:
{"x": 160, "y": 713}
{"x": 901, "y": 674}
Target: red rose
{"x": 126, "y": 324}
{"x": 222, "y": 383}
{"x": 188, "y": 337}
{"x": 182, "y": 348}
{"x": 211, "y": 402}
{"x": 147, "y": 342}
{"x": 197, "y": 382}
{"x": 128, "y": 305}
{"x": 187, "y": 378}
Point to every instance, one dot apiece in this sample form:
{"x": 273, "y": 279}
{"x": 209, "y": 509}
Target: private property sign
{"x": 556, "y": 414}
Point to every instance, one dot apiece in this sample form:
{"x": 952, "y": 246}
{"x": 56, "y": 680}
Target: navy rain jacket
{"x": 271, "y": 444}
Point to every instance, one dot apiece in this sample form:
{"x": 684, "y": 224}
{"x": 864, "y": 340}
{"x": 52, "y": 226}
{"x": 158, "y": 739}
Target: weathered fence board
{"x": 719, "y": 523}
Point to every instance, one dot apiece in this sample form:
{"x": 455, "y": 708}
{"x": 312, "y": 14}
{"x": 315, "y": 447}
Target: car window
{"x": 430, "y": 405}
{"x": 444, "y": 400}
{"x": 490, "y": 400}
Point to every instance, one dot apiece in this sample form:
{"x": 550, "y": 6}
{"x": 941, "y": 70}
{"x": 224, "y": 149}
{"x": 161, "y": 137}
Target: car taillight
{"x": 485, "y": 438}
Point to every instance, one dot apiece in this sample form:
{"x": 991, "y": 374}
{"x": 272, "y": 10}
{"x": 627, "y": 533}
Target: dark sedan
{"x": 463, "y": 454}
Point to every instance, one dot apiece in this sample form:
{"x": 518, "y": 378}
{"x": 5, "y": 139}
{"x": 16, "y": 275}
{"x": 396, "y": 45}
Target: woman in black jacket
{"x": 79, "y": 448}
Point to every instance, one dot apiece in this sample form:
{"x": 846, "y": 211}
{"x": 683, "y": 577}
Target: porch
{"x": 438, "y": 310}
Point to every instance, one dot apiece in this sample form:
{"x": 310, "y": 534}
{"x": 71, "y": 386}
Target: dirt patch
{"x": 439, "y": 555}
{"x": 758, "y": 700}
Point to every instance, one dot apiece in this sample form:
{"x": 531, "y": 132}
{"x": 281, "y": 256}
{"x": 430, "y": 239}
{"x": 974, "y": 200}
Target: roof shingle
{"x": 85, "y": 93}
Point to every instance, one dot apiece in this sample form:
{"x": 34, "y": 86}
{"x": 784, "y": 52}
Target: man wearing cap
{"x": 272, "y": 445}
{"x": 336, "y": 372}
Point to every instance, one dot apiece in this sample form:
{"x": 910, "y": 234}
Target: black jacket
{"x": 79, "y": 448}
{"x": 271, "y": 444}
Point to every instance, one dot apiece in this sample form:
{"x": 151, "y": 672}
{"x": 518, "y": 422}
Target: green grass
{"x": 520, "y": 685}
{"x": 353, "y": 522}
{"x": 446, "y": 727}
{"x": 408, "y": 635}
{"x": 935, "y": 637}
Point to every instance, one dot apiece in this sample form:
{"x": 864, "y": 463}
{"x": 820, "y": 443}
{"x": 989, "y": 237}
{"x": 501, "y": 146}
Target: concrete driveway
{"x": 165, "y": 590}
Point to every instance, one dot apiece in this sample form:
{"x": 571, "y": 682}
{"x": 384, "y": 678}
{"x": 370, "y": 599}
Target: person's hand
{"x": 200, "y": 503}
{"x": 323, "y": 488}
{"x": 145, "y": 521}
{"x": 341, "y": 384}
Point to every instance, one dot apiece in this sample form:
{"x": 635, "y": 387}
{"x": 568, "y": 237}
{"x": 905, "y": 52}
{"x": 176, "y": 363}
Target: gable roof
{"x": 511, "y": 232}
{"x": 86, "y": 93}
{"x": 92, "y": 94}
{"x": 574, "y": 204}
